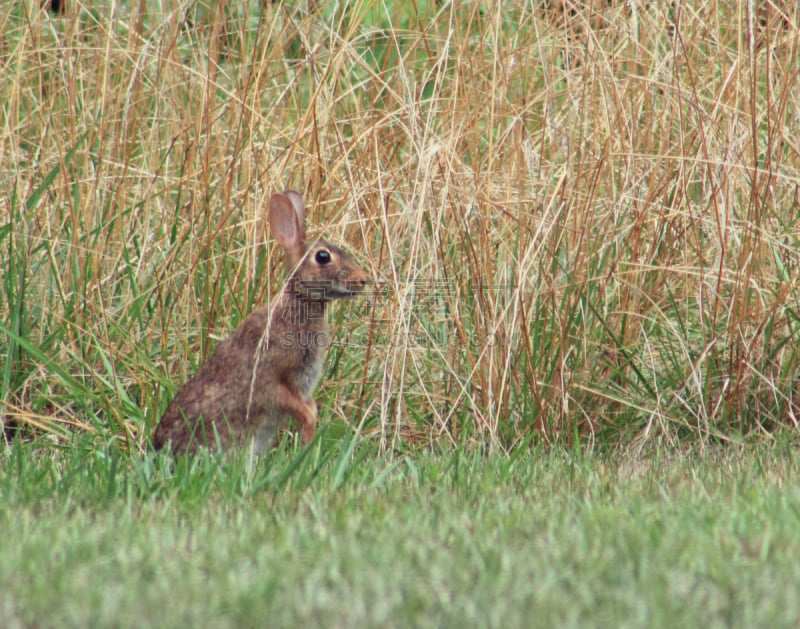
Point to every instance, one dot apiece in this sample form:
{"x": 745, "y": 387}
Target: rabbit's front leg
{"x": 309, "y": 428}
{"x": 304, "y": 412}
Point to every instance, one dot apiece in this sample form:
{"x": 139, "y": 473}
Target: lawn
{"x": 439, "y": 539}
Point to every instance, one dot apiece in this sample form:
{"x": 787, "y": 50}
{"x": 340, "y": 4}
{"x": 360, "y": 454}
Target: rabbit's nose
{"x": 356, "y": 284}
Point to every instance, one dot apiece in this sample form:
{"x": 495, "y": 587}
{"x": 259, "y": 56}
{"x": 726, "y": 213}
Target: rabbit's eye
{"x": 322, "y": 257}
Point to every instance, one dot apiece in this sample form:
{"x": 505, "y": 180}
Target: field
{"x": 572, "y": 387}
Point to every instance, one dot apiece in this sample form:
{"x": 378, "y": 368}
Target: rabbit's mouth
{"x": 351, "y": 288}
{"x": 339, "y": 291}
{"x": 326, "y": 290}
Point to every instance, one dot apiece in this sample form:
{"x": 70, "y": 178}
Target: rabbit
{"x": 266, "y": 371}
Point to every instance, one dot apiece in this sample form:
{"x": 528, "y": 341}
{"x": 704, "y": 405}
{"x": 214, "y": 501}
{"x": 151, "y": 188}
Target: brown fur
{"x": 267, "y": 370}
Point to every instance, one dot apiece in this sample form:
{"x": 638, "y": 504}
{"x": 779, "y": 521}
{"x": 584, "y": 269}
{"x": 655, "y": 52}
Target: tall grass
{"x": 580, "y": 222}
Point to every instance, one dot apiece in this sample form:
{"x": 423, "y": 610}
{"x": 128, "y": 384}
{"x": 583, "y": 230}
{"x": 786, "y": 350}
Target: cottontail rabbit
{"x": 266, "y": 371}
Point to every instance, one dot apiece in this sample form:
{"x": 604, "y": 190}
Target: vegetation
{"x": 582, "y": 224}
{"x": 579, "y": 222}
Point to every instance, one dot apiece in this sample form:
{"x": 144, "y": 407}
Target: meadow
{"x": 572, "y": 387}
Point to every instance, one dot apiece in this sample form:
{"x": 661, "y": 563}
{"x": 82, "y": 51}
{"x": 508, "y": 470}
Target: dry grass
{"x": 575, "y": 225}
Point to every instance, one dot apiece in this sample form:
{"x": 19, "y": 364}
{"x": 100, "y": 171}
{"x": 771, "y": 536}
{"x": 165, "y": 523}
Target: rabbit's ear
{"x": 299, "y": 207}
{"x": 285, "y": 225}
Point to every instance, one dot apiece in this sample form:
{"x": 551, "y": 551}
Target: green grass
{"x": 433, "y": 539}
